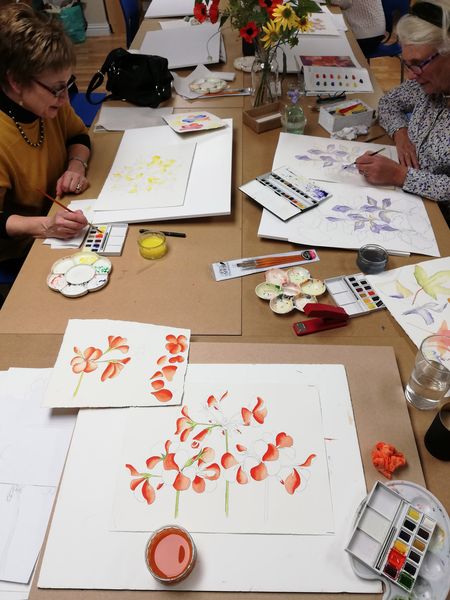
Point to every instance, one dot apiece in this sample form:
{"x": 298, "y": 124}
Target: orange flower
{"x": 147, "y": 490}
{"x": 176, "y": 343}
{"x": 117, "y": 343}
{"x": 259, "y": 413}
{"x": 113, "y": 368}
{"x": 85, "y": 362}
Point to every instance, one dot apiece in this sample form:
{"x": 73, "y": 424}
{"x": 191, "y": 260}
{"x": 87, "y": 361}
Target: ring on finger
{"x": 78, "y": 187}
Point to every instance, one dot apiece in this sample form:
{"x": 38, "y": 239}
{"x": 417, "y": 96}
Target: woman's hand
{"x": 379, "y": 170}
{"x": 64, "y": 224}
{"x": 72, "y": 181}
{"x": 405, "y": 148}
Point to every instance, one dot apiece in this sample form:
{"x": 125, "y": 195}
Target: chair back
{"x": 132, "y": 15}
{"x": 393, "y": 10}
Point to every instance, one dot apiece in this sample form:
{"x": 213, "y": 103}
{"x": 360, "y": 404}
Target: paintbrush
{"x": 273, "y": 261}
{"x": 370, "y": 154}
{"x": 168, "y": 233}
{"x": 65, "y": 207}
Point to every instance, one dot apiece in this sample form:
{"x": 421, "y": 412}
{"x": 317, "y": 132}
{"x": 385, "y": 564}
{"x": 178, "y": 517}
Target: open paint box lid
{"x": 423, "y": 560}
{"x": 76, "y": 275}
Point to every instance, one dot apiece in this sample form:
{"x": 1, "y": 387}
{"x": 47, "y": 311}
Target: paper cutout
{"x": 417, "y": 296}
{"x": 241, "y": 458}
{"x": 152, "y": 372}
{"x": 355, "y": 216}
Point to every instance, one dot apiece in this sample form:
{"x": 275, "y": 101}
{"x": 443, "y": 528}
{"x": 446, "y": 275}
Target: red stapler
{"x": 324, "y": 317}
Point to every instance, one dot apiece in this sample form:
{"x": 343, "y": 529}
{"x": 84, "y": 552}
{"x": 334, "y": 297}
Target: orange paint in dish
{"x": 170, "y": 554}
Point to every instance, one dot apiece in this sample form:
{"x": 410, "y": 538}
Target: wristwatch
{"x": 83, "y": 162}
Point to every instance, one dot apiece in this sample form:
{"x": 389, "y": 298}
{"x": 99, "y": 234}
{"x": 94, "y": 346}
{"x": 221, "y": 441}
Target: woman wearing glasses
{"x": 44, "y": 146}
{"x": 417, "y": 114}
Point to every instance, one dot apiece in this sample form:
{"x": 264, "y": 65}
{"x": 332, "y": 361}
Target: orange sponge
{"x": 386, "y": 459}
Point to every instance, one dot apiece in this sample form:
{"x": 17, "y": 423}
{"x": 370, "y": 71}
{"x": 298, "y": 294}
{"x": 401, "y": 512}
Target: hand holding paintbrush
{"x": 70, "y": 226}
{"x": 381, "y": 170}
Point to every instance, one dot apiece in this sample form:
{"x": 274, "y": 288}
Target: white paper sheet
{"x": 81, "y": 522}
{"x": 315, "y": 45}
{"x": 169, "y": 8}
{"x": 121, "y": 118}
{"x": 118, "y": 363}
{"x": 24, "y": 513}
{"x": 185, "y": 46}
{"x": 209, "y": 188}
{"x": 321, "y": 24}
{"x": 421, "y": 309}
{"x": 355, "y": 216}
{"x": 145, "y": 175}
{"x": 254, "y": 462}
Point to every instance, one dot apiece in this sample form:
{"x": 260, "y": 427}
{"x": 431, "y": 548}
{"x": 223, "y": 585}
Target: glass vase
{"x": 293, "y": 118}
{"x": 265, "y": 80}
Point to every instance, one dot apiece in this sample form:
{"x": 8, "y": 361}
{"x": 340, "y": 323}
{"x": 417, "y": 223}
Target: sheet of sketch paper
{"x": 355, "y": 216}
{"x": 242, "y": 458}
{"x": 417, "y": 296}
{"x": 103, "y": 362}
{"x": 146, "y": 176}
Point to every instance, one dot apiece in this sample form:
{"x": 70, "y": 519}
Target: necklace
{"x": 38, "y": 144}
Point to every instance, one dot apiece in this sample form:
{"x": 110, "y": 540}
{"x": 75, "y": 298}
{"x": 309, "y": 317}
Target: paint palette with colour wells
{"x": 332, "y": 80}
{"x": 76, "y": 275}
{"x": 354, "y": 294}
{"x": 106, "y": 240}
{"x": 401, "y": 534}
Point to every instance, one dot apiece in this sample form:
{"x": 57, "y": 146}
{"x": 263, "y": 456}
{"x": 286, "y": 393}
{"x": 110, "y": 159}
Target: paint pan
{"x": 354, "y": 294}
{"x": 106, "y": 240}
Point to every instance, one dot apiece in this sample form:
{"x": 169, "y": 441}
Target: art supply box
{"x": 332, "y": 121}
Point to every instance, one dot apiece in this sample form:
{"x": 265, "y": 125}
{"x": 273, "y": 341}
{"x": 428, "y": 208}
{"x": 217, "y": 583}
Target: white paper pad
{"x": 422, "y": 309}
{"x": 185, "y": 46}
{"x": 209, "y": 189}
{"x": 169, "y": 8}
{"x": 315, "y": 45}
{"x": 103, "y": 363}
{"x": 81, "y": 521}
{"x": 120, "y": 118}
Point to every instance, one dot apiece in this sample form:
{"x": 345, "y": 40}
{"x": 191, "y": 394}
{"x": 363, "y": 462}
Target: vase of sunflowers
{"x": 268, "y": 24}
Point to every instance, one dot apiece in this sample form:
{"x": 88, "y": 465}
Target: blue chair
{"x": 393, "y": 10}
{"x": 132, "y": 15}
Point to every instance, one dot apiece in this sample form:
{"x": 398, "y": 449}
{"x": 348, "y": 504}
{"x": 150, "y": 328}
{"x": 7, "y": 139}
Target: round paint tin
{"x": 267, "y": 291}
{"x": 372, "y": 259}
{"x": 282, "y": 304}
{"x": 170, "y": 554}
{"x": 75, "y": 276}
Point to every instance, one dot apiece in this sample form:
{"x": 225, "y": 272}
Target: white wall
{"x": 95, "y": 14}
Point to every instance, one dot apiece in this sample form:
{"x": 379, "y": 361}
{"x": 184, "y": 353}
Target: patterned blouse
{"x": 429, "y": 130}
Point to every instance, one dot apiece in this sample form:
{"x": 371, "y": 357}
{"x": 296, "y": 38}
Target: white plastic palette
{"x": 76, "y": 275}
{"x": 403, "y": 519}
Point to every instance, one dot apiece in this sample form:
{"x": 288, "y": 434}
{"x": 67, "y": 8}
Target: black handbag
{"x": 137, "y": 78}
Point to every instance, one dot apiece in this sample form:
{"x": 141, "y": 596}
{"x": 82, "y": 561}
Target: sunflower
{"x": 285, "y": 16}
{"x": 304, "y": 23}
{"x": 271, "y": 34}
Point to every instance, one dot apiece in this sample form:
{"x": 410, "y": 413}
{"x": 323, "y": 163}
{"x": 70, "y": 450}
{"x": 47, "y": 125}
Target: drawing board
{"x": 209, "y": 187}
{"x": 118, "y": 363}
{"x": 83, "y": 521}
{"x": 417, "y": 296}
{"x": 325, "y": 159}
{"x": 355, "y": 216}
{"x": 169, "y": 8}
{"x": 144, "y": 175}
{"x": 244, "y": 458}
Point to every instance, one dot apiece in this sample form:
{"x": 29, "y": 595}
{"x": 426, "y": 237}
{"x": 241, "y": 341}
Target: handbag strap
{"x": 99, "y": 76}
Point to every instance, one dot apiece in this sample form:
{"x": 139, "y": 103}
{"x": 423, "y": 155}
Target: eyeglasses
{"x": 58, "y": 92}
{"x": 418, "y": 68}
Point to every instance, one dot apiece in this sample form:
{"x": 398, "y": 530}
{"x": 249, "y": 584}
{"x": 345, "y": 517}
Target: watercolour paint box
{"x": 391, "y": 536}
{"x": 354, "y": 294}
{"x": 333, "y": 80}
{"x": 285, "y": 193}
{"x": 106, "y": 240}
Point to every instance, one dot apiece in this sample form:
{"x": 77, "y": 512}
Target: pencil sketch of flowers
{"x": 176, "y": 346}
{"x": 215, "y": 446}
{"x": 89, "y": 360}
{"x": 371, "y": 215}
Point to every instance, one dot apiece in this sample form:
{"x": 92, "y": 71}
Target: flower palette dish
{"x": 290, "y": 289}
{"x": 76, "y": 275}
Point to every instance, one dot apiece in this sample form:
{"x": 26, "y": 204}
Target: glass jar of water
{"x": 293, "y": 118}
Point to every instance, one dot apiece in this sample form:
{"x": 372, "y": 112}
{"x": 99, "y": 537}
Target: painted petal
{"x": 259, "y": 473}
{"x": 185, "y": 434}
{"x": 292, "y": 482}
{"x": 152, "y": 461}
{"x": 241, "y": 448}
{"x": 201, "y": 436}
{"x": 181, "y": 425}
{"x": 167, "y": 445}
{"x": 169, "y": 463}
{"x": 228, "y": 460}
{"x": 284, "y": 441}
{"x": 259, "y": 412}
{"x": 78, "y": 364}
{"x": 161, "y": 360}
{"x": 184, "y": 411}
{"x": 207, "y": 455}
{"x": 92, "y": 353}
{"x": 181, "y": 482}
{"x": 271, "y": 453}
{"x": 135, "y": 482}
{"x": 246, "y": 415}
{"x": 241, "y": 476}
{"x": 175, "y": 359}
{"x": 157, "y": 384}
{"x": 211, "y": 401}
{"x": 125, "y": 361}
{"x": 182, "y": 341}
{"x": 156, "y": 374}
{"x": 308, "y": 461}
{"x": 132, "y": 470}
{"x": 162, "y": 395}
{"x": 224, "y": 395}
{"x": 108, "y": 372}
{"x": 90, "y": 366}
{"x": 169, "y": 372}
{"x": 171, "y": 338}
{"x": 159, "y": 486}
{"x": 148, "y": 492}
{"x": 212, "y": 472}
{"x": 198, "y": 485}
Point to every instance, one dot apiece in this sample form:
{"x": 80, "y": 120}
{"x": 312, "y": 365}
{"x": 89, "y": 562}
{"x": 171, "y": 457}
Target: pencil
{"x": 64, "y": 207}
{"x": 370, "y": 154}
{"x": 168, "y": 233}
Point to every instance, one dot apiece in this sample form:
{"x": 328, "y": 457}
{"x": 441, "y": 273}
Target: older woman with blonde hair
{"x": 44, "y": 146}
{"x": 417, "y": 114}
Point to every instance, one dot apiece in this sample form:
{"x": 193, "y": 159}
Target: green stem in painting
{"x": 227, "y": 483}
{"x": 177, "y": 503}
{"x": 78, "y": 385}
